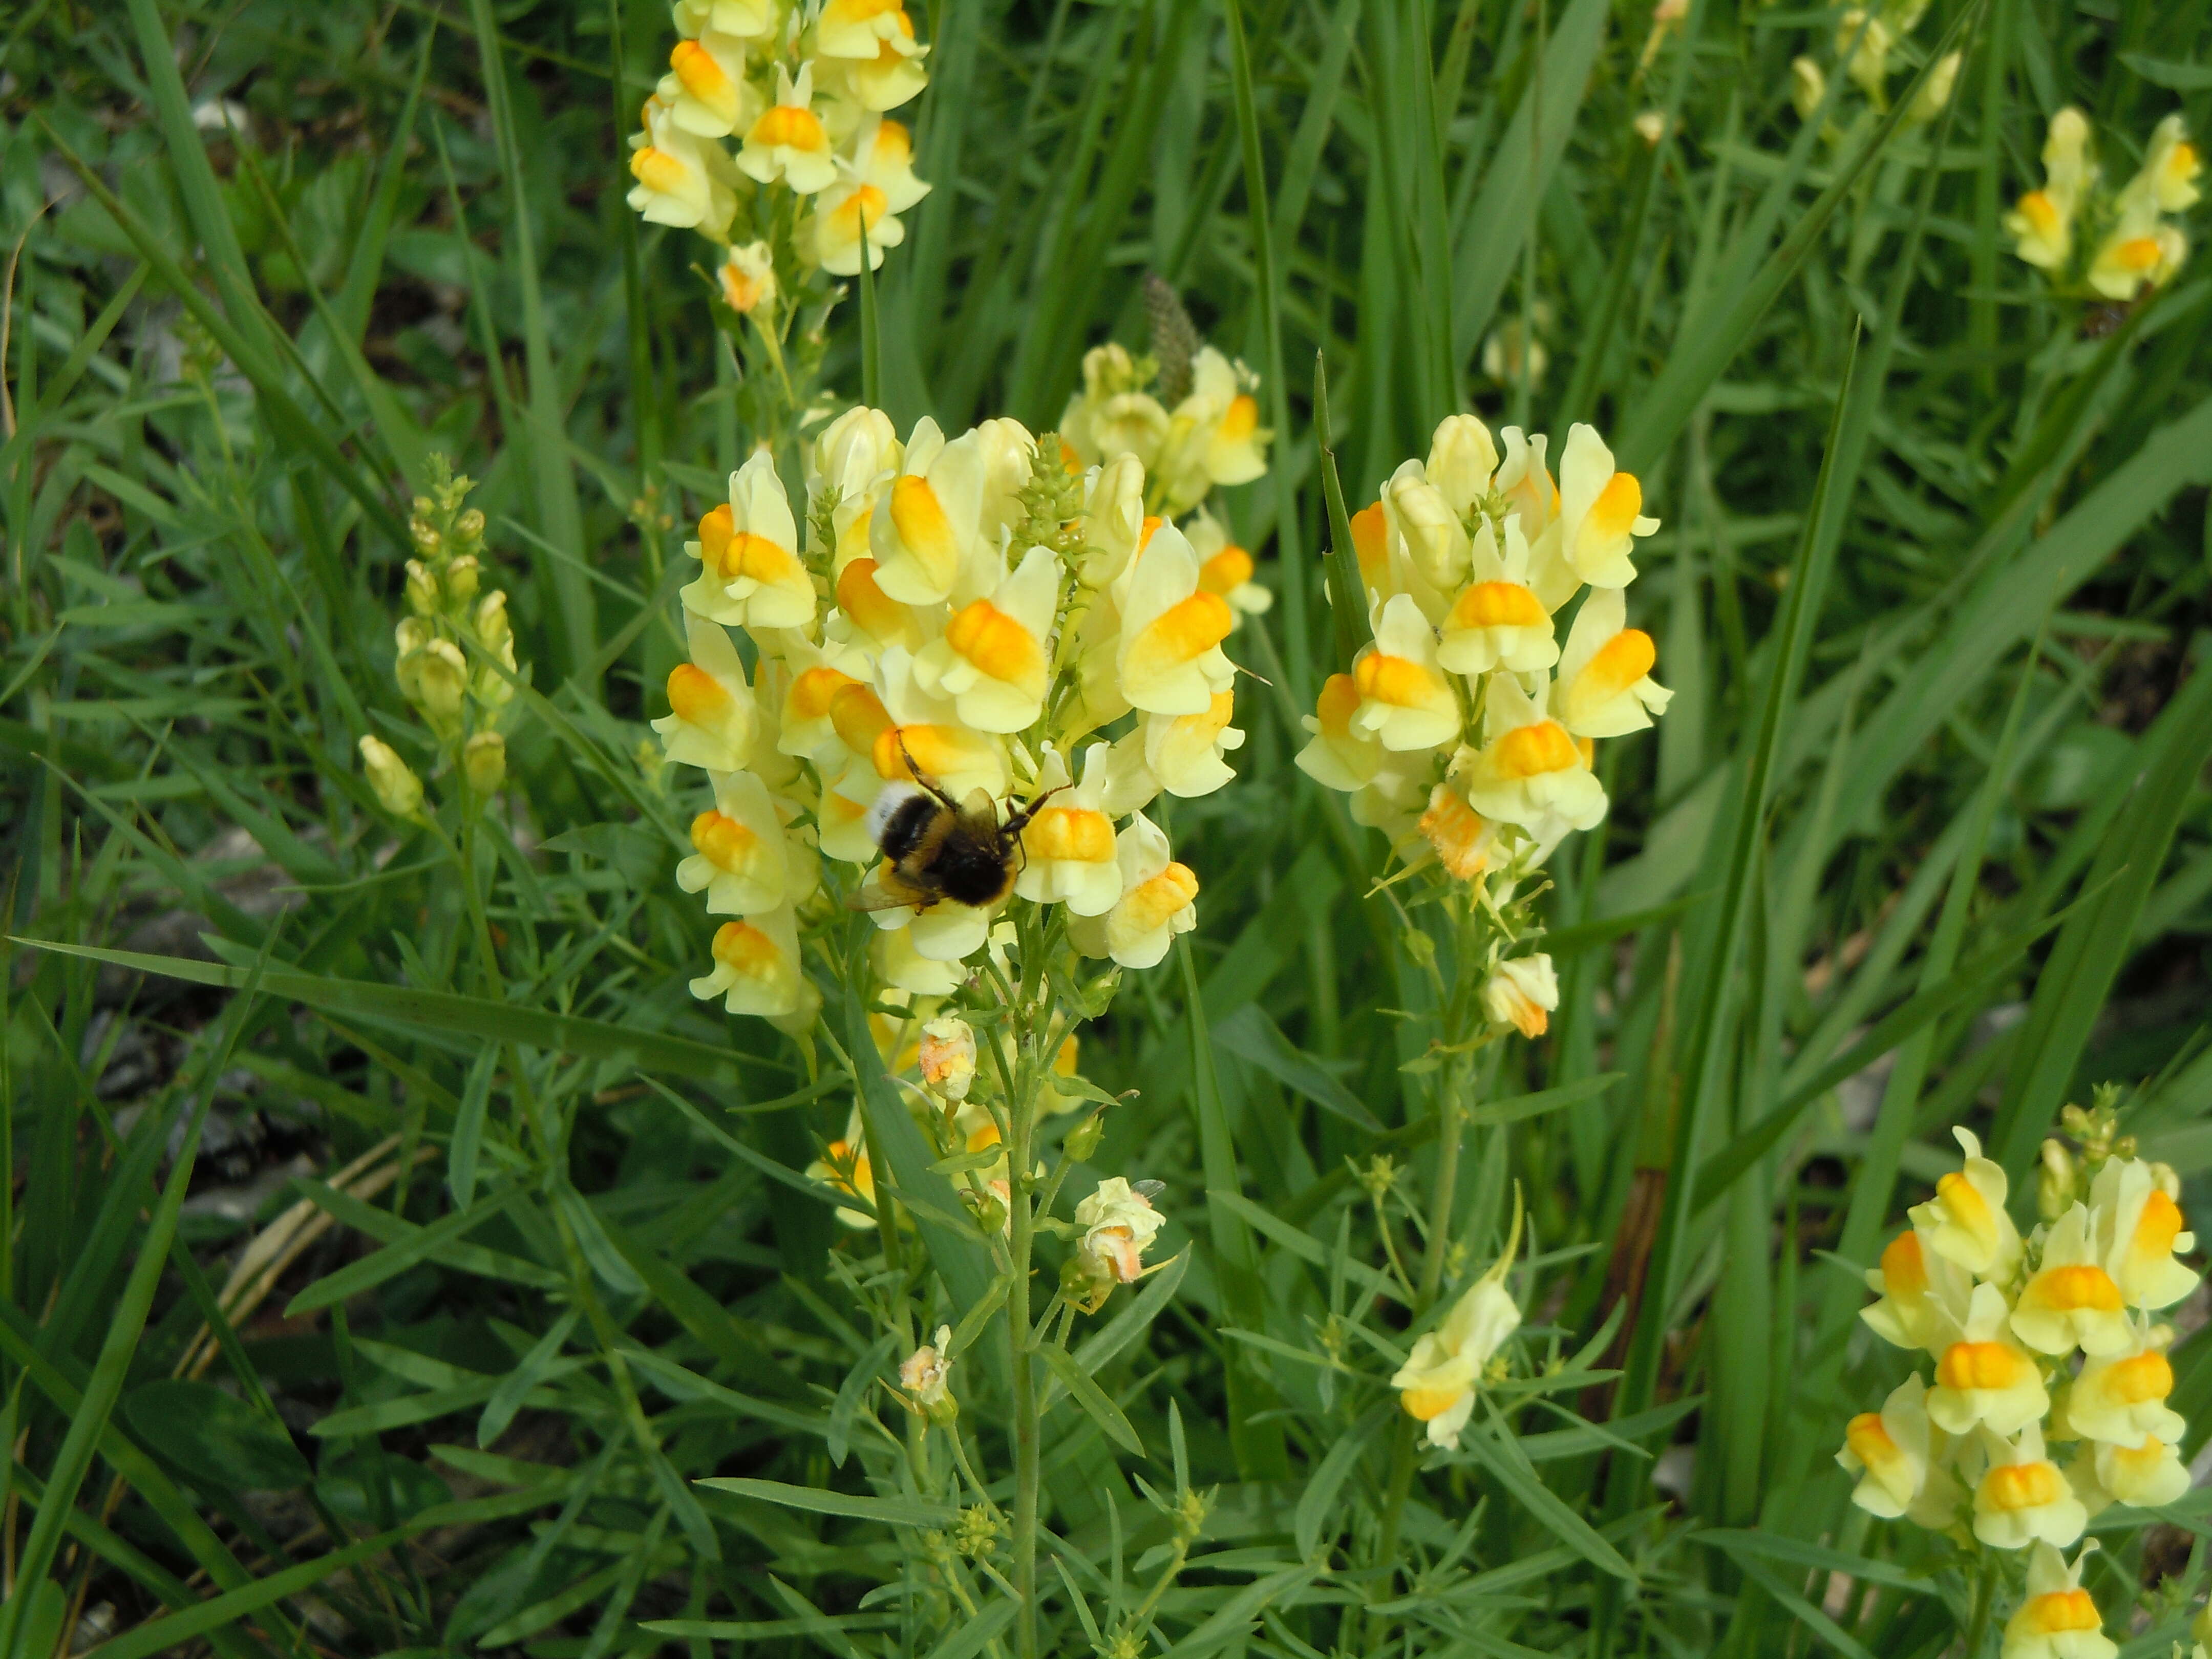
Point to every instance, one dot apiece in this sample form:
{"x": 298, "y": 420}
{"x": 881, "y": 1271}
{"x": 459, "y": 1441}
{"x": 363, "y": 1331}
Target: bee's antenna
{"x": 1019, "y": 822}
{"x": 921, "y": 780}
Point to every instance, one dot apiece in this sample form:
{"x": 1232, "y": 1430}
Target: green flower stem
{"x": 1021, "y": 1102}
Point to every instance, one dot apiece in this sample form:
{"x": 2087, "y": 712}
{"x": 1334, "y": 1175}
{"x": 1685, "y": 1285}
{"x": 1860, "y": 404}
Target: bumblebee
{"x": 936, "y": 847}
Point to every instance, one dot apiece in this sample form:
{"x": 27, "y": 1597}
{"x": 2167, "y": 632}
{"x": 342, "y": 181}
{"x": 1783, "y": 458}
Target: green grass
{"x": 1932, "y": 591}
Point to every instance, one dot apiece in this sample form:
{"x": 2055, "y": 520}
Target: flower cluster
{"x": 966, "y": 616}
{"x": 1467, "y": 728}
{"x": 1867, "y": 48}
{"x": 2129, "y": 243}
{"x": 2006, "y": 1319}
{"x": 451, "y": 615}
{"x": 1437, "y": 1384}
{"x": 1212, "y": 436}
{"x": 803, "y": 92}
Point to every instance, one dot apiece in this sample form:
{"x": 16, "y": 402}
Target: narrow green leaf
{"x": 1093, "y": 1398}
{"x": 890, "y": 1511}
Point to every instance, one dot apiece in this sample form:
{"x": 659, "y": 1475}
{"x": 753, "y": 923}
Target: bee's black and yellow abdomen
{"x": 973, "y": 869}
{"x": 935, "y": 851}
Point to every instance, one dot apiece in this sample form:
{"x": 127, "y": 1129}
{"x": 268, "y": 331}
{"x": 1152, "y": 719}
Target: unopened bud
{"x": 1808, "y": 87}
{"x": 948, "y": 1057}
{"x": 422, "y": 588}
{"x": 483, "y": 761}
{"x": 396, "y": 785}
{"x": 2054, "y": 1182}
{"x": 1936, "y": 92}
{"x": 468, "y": 528}
{"x": 492, "y": 628}
{"x": 428, "y": 542}
{"x": 1082, "y": 1143}
{"x": 461, "y": 579}
{"x": 442, "y": 680}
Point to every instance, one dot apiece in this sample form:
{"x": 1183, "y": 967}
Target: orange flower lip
{"x": 1496, "y": 604}
{"x": 1967, "y": 1365}
{"x": 1529, "y": 751}
{"x": 697, "y": 696}
{"x": 787, "y": 126}
{"x": 2022, "y": 1485}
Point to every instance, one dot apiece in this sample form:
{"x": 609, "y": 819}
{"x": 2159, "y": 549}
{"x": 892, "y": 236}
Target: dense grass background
{"x": 1925, "y": 838}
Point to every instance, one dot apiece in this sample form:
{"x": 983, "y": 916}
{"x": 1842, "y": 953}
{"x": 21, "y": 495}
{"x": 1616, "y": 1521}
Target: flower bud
{"x": 1936, "y": 92}
{"x": 2054, "y": 1180}
{"x": 394, "y": 780}
{"x": 422, "y": 588}
{"x": 948, "y": 1057}
{"x": 1082, "y": 1142}
{"x": 493, "y": 628}
{"x": 425, "y": 537}
{"x": 442, "y": 680}
{"x": 461, "y": 579}
{"x": 468, "y": 528}
{"x": 483, "y": 761}
{"x": 1808, "y": 86}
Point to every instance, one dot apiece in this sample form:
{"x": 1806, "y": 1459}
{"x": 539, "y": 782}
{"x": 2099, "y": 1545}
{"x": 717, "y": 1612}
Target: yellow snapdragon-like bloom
{"x": 2057, "y": 1620}
{"x": 1605, "y": 685}
{"x": 1113, "y": 416}
{"x": 2023, "y": 1499}
{"x": 1214, "y": 435}
{"x": 712, "y": 714}
{"x": 846, "y": 1171}
{"x": 1405, "y": 701}
{"x": 869, "y": 46}
{"x": 1522, "y": 993}
{"x": 1069, "y": 845}
{"x": 2071, "y": 1300}
{"x": 1600, "y": 511}
{"x": 1226, "y": 569}
{"x": 1437, "y": 1384}
{"x": 705, "y": 88}
{"x": 1967, "y": 1221}
{"x": 751, "y": 574}
{"x": 1119, "y": 1225}
{"x": 992, "y": 659}
{"x": 757, "y": 967}
{"x": 2120, "y": 1399}
{"x": 1531, "y": 772}
{"x": 1466, "y": 844}
{"x": 740, "y": 860}
{"x": 683, "y": 180}
{"x": 398, "y": 791}
{"x": 928, "y": 516}
{"x": 1922, "y": 1295}
{"x": 1497, "y": 621}
{"x": 788, "y": 144}
{"x": 1894, "y": 1454}
{"x": 1984, "y": 1375}
{"x": 1157, "y": 900}
{"x": 876, "y": 184}
{"x": 2139, "y": 1228}
{"x": 1170, "y": 658}
{"x": 2148, "y": 1475}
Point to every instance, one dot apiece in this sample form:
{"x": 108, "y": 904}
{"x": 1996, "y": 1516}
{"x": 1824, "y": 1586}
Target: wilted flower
{"x": 924, "y": 1375}
{"x": 1522, "y": 993}
{"x": 947, "y": 1057}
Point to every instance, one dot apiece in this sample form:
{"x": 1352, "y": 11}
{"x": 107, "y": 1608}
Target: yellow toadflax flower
{"x": 2057, "y": 1620}
{"x": 2023, "y": 1499}
{"x": 1522, "y": 993}
{"x": 1436, "y": 1383}
{"x": 683, "y": 180}
{"x": 1894, "y": 1454}
{"x": 1983, "y": 1376}
{"x": 1967, "y": 1221}
{"x": 1922, "y": 1295}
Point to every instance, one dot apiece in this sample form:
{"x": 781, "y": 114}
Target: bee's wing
{"x": 1148, "y": 1188}
{"x": 873, "y": 897}
{"x": 884, "y": 891}
{"x": 979, "y": 813}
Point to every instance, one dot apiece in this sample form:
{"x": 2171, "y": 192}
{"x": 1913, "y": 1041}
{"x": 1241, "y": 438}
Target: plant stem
{"x": 1451, "y": 1106}
{"x": 1028, "y": 1461}
{"x": 1984, "y": 1598}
